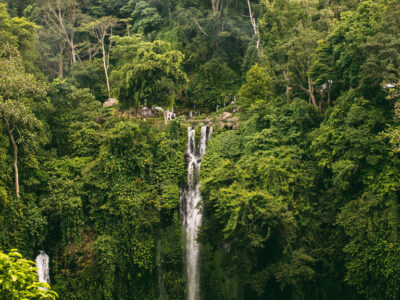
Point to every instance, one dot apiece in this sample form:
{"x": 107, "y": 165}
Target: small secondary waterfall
{"x": 191, "y": 215}
{"x": 42, "y": 265}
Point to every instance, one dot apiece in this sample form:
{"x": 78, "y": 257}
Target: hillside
{"x": 204, "y": 149}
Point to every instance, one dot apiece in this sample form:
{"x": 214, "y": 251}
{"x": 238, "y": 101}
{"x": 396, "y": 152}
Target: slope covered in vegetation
{"x": 299, "y": 202}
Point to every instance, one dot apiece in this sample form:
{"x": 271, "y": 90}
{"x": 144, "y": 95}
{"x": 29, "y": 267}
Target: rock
{"x": 226, "y": 115}
{"x": 146, "y": 112}
{"x": 110, "y": 102}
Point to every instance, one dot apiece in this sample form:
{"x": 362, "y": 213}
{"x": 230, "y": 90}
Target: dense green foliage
{"x": 300, "y": 202}
{"x": 148, "y": 73}
{"x": 305, "y": 209}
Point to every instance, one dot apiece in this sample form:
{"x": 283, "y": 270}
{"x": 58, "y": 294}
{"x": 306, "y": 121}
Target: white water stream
{"x": 42, "y": 265}
{"x": 191, "y": 214}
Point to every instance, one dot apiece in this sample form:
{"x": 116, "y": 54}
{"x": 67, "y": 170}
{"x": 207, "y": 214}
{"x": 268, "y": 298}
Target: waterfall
{"x": 42, "y": 265}
{"x": 191, "y": 215}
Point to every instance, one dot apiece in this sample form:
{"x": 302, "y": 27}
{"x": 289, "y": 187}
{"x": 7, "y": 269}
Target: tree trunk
{"x": 109, "y": 49}
{"x": 15, "y": 152}
{"x": 329, "y": 98}
{"x": 166, "y": 116}
{"x": 288, "y": 87}
{"x": 73, "y": 54}
{"x": 310, "y": 85}
{"x": 311, "y": 93}
{"x": 199, "y": 26}
{"x": 106, "y": 69}
{"x": 61, "y": 62}
{"x": 216, "y": 7}
{"x": 255, "y": 27}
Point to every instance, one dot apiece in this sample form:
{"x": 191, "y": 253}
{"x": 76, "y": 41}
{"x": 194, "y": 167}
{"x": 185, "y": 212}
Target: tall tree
{"x": 20, "y": 123}
{"x": 21, "y": 126}
{"x": 254, "y": 25}
{"x": 18, "y": 35}
{"x": 62, "y": 17}
{"x": 300, "y": 49}
{"x": 148, "y": 72}
{"x": 144, "y": 17}
{"x": 100, "y": 29}
{"x": 217, "y": 7}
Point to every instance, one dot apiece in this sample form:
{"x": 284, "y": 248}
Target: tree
{"x": 18, "y": 279}
{"x": 15, "y": 82}
{"x": 21, "y": 126}
{"x": 217, "y": 7}
{"x": 322, "y": 70}
{"x": 62, "y": 18}
{"x": 254, "y": 25}
{"x": 299, "y": 51}
{"x": 290, "y": 31}
{"x": 144, "y": 17}
{"x": 355, "y": 47}
{"x": 371, "y": 223}
{"x": 254, "y": 189}
{"x": 17, "y": 35}
{"x": 100, "y": 30}
{"x": 20, "y": 123}
{"x": 214, "y": 85}
{"x": 147, "y": 72}
{"x": 16, "y": 7}
{"x": 258, "y": 86}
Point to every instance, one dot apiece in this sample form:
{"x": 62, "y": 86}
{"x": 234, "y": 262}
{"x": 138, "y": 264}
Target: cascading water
{"x": 42, "y": 265}
{"x": 191, "y": 214}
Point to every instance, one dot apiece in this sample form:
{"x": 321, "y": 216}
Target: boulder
{"x": 226, "y": 115}
{"x": 110, "y": 102}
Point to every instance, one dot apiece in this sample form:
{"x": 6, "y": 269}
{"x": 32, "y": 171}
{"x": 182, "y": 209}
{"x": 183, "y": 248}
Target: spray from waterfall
{"x": 191, "y": 214}
{"x": 42, "y": 265}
